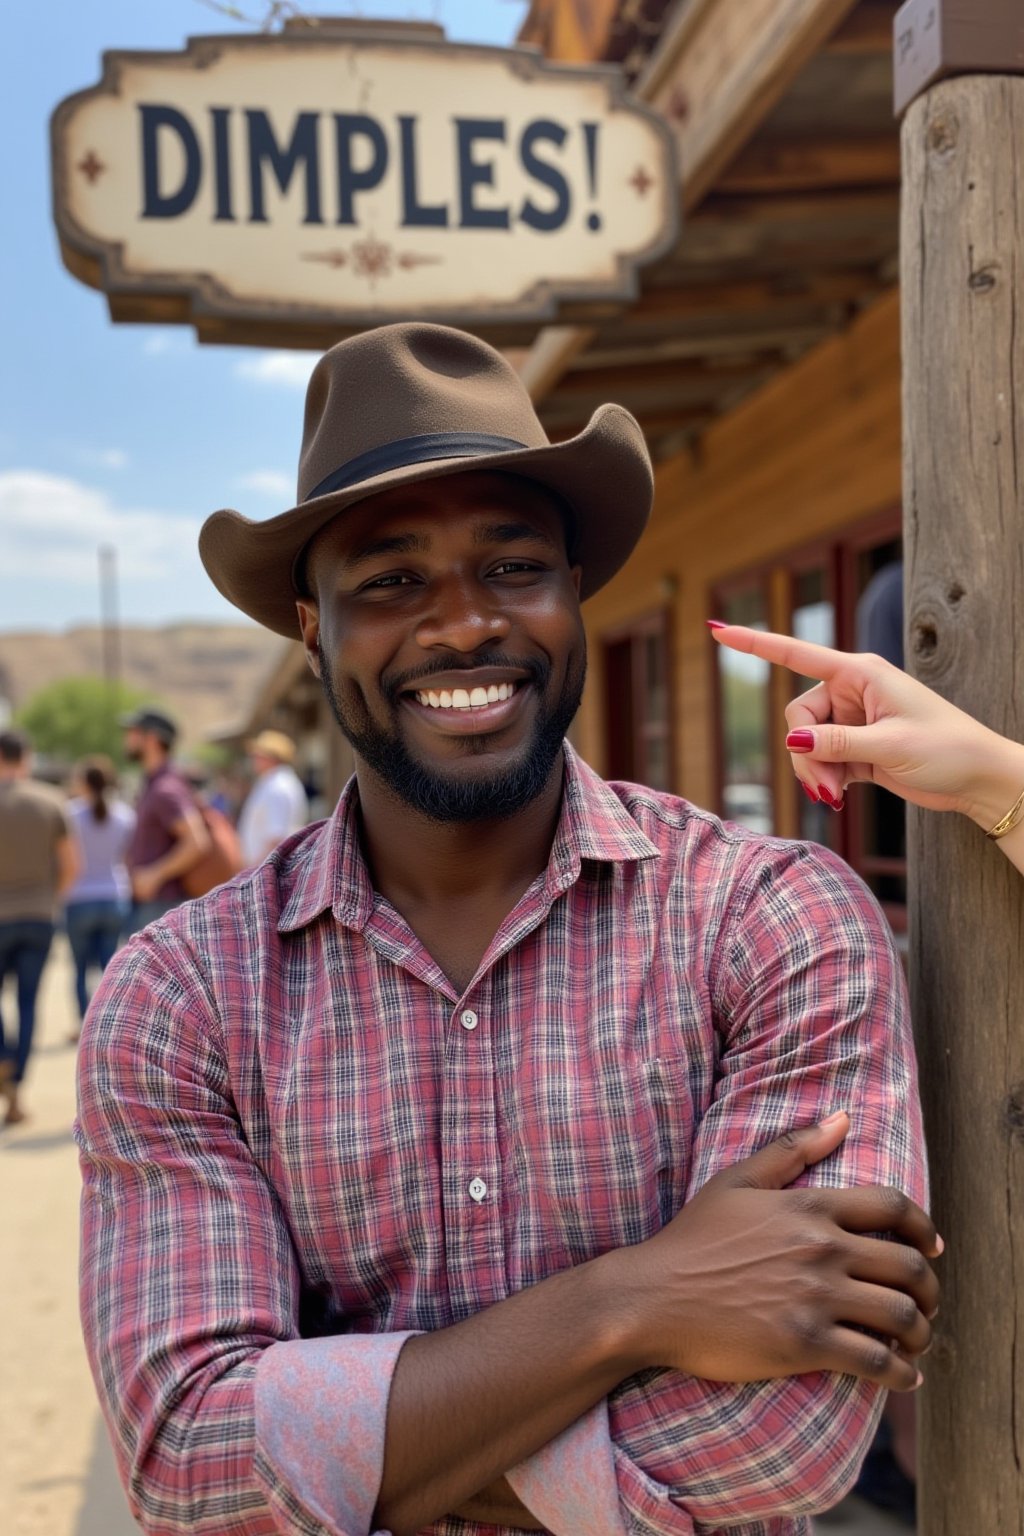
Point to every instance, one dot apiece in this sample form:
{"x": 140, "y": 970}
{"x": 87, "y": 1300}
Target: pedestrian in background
{"x": 277, "y": 804}
{"x": 169, "y": 837}
{"x": 97, "y": 905}
{"x": 38, "y": 863}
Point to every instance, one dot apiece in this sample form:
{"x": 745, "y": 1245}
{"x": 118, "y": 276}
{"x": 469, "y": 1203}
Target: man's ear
{"x": 309, "y": 624}
{"x": 576, "y": 573}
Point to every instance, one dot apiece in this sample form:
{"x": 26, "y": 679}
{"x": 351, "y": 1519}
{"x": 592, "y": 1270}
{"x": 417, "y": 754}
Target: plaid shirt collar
{"x": 330, "y": 871}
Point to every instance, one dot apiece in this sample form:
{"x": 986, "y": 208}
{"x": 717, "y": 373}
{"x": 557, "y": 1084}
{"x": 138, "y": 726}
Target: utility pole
{"x": 960, "y": 70}
{"x": 110, "y": 628}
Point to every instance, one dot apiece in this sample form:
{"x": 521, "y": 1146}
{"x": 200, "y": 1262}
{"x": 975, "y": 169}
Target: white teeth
{"x": 461, "y": 698}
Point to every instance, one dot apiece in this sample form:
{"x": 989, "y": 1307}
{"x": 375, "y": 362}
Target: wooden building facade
{"x": 761, "y": 357}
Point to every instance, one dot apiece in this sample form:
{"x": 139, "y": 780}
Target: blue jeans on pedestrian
{"x": 94, "y": 929}
{"x": 24, "y": 946}
{"x": 145, "y": 912}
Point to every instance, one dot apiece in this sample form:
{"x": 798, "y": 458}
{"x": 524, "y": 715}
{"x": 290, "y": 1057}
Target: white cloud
{"x": 290, "y": 370}
{"x": 51, "y": 530}
{"x": 269, "y": 482}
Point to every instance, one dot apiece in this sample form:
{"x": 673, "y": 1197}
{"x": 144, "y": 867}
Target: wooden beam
{"x": 550, "y": 355}
{"x": 799, "y": 165}
{"x": 825, "y": 290}
{"x": 665, "y": 374}
{"x": 721, "y": 69}
{"x": 716, "y": 74}
{"x": 867, "y": 30}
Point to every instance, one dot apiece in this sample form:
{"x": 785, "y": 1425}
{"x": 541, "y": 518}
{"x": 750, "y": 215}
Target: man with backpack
{"x": 170, "y": 837}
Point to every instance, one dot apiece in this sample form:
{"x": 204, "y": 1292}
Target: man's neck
{"x": 414, "y": 861}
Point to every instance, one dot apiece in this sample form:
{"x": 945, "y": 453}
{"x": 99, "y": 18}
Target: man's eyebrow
{"x": 512, "y": 533}
{"x": 395, "y": 544}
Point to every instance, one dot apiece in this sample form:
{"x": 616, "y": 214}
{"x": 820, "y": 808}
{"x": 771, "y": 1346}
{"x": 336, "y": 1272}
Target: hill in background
{"x": 207, "y": 675}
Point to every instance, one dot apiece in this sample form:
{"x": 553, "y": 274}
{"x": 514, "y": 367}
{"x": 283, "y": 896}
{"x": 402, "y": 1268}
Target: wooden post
{"x": 962, "y": 289}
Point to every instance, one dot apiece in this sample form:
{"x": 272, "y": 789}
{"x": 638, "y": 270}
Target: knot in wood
{"x": 1013, "y": 1111}
{"x": 924, "y": 638}
{"x": 983, "y": 280}
{"x": 943, "y": 134}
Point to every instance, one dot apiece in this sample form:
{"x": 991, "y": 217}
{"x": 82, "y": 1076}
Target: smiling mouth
{"x": 465, "y": 698}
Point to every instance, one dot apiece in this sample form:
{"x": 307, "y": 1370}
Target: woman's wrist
{"x": 998, "y": 782}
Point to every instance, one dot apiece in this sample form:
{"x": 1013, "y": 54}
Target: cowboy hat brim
{"x": 604, "y": 474}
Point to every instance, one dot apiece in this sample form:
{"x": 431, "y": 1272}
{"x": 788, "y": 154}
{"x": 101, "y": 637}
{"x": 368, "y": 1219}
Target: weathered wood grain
{"x": 963, "y": 358}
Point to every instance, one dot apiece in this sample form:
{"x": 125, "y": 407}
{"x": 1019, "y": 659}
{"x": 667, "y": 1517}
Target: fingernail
{"x": 809, "y": 792}
{"x": 940, "y": 1246}
{"x": 918, "y": 1383}
{"x": 830, "y": 799}
{"x": 800, "y": 741}
{"x": 716, "y": 624}
{"x": 837, "y": 1114}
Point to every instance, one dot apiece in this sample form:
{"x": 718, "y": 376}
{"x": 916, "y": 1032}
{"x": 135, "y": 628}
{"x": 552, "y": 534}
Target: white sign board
{"x": 332, "y": 175}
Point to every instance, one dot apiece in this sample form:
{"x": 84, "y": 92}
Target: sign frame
{"x": 198, "y": 298}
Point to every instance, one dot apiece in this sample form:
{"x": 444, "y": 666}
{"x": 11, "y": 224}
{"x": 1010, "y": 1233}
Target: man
{"x": 169, "y": 837}
{"x": 38, "y": 863}
{"x": 430, "y": 1172}
{"x": 276, "y": 806}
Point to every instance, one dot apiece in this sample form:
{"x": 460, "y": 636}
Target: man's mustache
{"x": 536, "y": 670}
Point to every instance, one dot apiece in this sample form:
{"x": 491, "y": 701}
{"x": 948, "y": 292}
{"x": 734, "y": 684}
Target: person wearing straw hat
{"x": 508, "y": 1150}
{"x": 276, "y": 805}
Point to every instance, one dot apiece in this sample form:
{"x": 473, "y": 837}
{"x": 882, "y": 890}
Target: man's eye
{"x": 514, "y": 568}
{"x": 385, "y": 581}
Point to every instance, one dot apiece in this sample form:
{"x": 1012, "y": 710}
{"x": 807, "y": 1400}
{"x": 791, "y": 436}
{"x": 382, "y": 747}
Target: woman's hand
{"x": 867, "y": 720}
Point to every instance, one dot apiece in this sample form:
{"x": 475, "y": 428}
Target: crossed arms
{"x": 706, "y": 1377}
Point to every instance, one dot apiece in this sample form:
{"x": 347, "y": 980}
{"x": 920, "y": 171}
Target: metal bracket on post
{"x": 937, "y": 38}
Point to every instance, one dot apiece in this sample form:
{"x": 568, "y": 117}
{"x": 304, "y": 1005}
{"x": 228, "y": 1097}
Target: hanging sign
{"x": 339, "y": 175}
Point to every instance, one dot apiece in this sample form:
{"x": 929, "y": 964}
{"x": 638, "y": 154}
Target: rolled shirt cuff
{"x": 321, "y": 1414}
{"x": 570, "y": 1484}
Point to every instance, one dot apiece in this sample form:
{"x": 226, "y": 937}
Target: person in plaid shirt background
{"x": 511, "y": 1150}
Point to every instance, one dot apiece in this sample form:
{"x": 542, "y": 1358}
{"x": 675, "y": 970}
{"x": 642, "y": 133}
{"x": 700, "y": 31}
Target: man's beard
{"x": 448, "y": 797}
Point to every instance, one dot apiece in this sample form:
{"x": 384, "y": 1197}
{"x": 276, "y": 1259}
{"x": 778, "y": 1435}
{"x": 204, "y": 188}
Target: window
{"x": 638, "y": 703}
{"x": 745, "y": 711}
{"x": 845, "y": 593}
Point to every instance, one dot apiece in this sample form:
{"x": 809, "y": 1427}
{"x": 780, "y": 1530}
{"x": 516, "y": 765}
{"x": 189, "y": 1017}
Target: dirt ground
{"x": 56, "y": 1467}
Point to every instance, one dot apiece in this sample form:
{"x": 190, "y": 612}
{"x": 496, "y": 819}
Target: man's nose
{"x": 462, "y": 616}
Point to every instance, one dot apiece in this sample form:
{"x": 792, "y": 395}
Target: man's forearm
{"x": 471, "y": 1401}
{"x": 176, "y": 861}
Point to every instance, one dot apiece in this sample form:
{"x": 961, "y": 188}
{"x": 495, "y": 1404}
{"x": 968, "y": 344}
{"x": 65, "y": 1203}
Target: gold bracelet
{"x": 1009, "y": 821}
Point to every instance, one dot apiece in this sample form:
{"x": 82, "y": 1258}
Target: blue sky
{"x": 120, "y": 434}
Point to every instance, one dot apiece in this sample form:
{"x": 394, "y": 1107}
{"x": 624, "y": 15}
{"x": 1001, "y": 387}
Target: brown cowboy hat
{"x": 412, "y": 402}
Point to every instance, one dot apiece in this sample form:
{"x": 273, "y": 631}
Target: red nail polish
{"x": 829, "y": 798}
{"x": 800, "y": 741}
{"x": 716, "y": 624}
{"x": 808, "y": 791}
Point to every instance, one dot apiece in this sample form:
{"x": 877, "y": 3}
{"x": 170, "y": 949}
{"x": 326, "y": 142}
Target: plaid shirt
{"x": 301, "y": 1145}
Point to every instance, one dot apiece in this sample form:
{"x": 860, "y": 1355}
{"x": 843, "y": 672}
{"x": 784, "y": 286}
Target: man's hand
{"x": 753, "y": 1280}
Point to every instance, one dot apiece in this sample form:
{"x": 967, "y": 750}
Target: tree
{"x": 77, "y": 716}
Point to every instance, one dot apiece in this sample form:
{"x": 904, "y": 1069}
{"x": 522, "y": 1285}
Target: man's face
{"x": 133, "y": 744}
{"x": 260, "y": 763}
{"x": 423, "y": 597}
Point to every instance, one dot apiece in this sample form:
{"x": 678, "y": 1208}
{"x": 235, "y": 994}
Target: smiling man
{"x": 510, "y": 1150}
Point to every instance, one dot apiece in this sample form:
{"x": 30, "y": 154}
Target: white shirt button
{"x": 468, "y": 1019}
{"x": 477, "y": 1189}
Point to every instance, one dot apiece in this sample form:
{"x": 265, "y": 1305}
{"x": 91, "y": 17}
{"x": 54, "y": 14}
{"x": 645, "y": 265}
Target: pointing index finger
{"x": 800, "y": 656}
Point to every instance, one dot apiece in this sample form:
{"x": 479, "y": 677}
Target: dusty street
{"x": 56, "y": 1467}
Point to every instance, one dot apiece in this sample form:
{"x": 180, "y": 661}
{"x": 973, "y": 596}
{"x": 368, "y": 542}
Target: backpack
{"x": 222, "y": 859}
